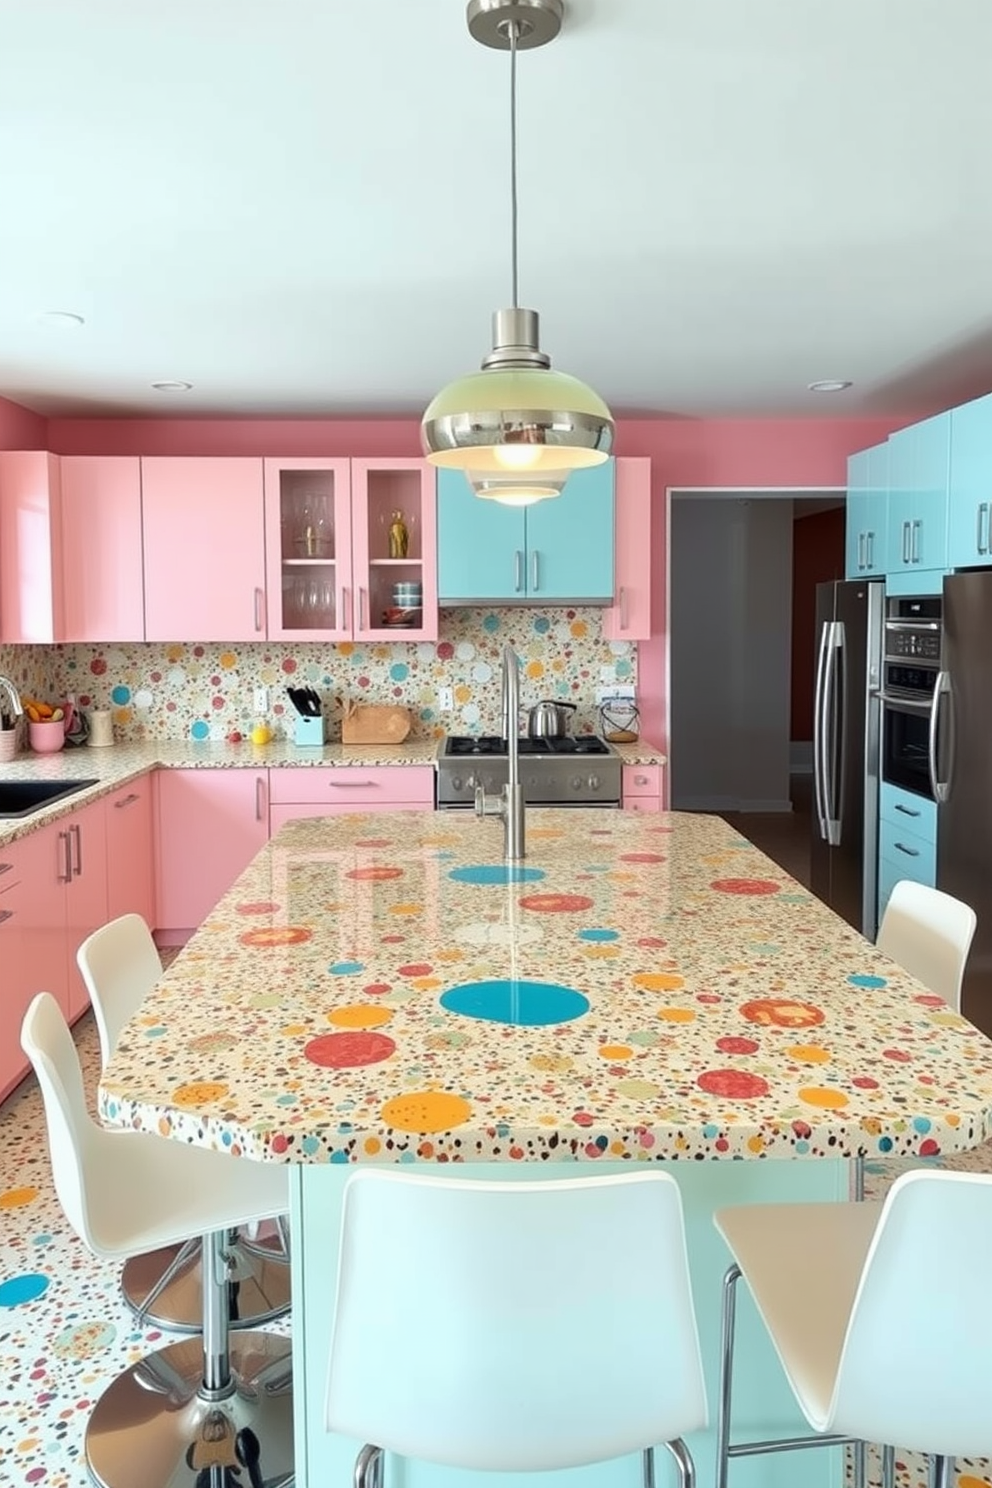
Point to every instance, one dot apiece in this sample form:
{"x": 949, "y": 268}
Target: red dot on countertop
{"x": 745, "y": 886}
{"x": 929, "y": 1148}
{"x": 864, "y": 1082}
{"x": 732, "y": 1084}
{"x": 349, "y": 1050}
{"x": 642, "y": 857}
{"x": 378, "y": 873}
{"x": 899, "y": 1055}
{"x": 377, "y": 989}
{"x": 733, "y": 1045}
{"x": 556, "y": 903}
{"x": 415, "y": 969}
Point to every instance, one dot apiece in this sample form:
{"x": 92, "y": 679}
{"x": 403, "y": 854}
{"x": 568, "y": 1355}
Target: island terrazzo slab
{"x": 385, "y": 989}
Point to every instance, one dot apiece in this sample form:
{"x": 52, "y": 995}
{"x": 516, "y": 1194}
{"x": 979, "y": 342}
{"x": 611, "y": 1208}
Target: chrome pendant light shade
{"x": 517, "y": 428}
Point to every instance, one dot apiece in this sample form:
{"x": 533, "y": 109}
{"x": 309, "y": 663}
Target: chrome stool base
{"x": 259, "y": 1292}
{"x": 155, "y": 1426}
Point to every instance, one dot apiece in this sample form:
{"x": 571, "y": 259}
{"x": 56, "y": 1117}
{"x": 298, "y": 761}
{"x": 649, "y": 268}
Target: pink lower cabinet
{"x": 85, "y": 859}
{"x": 17, "y": 975}
{"x": 642, "y": 788}
{"x": 130, "y": 851}
{"x": 209, "y": 825}
{"x": 336, "y": 791}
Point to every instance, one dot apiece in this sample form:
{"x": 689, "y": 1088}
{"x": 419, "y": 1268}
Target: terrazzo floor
{"x": 65, "y": 1331}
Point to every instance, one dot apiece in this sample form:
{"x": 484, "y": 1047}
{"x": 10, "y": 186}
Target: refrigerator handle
{"x": 942, "y": 688}
{"x": 818, "y": 715}
{"x": 835, "y": 646}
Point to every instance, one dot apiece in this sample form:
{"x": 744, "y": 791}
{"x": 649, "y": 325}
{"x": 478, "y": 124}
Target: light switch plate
{"x": 445, "y": 699}
{"x": 261, "y": 700}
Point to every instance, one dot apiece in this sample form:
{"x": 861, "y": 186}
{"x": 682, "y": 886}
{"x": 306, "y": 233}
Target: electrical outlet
{"x": 445, "y": 699}
{"x": 261, "y": 704}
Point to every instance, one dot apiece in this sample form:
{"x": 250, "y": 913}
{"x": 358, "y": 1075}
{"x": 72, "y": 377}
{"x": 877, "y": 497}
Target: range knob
{"x": 576, "y": 782}
{"x": 456, "y": 782}
{"x": 593, "y": 782}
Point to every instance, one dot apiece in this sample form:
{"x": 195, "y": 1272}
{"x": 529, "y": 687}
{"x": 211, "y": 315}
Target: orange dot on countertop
{"x": 199, "y": 1092}
{"x": 615, "y": 1051}
{"x": 781, "y": 1012}
{"x": 276, "y": 935}
{"x": 658, "y": 981}
{"x": 375, "y": 874}
{"x": 824, "y": 1096}
{"x": 808, "y": 1053}
{"x": 359, "y": 1015}
{"x": 15, "y": 1198}
{"x": 406, "y": 909}
{"x": 745, "y": 886}
{"x": 676, "y": 1015}
{"x": 556, "y": 903}
{"x": 260, "y": 907}
{"x": 424, "y": 1111}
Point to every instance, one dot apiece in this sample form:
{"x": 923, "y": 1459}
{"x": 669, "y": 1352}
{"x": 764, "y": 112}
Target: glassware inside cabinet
{"x": 308, "y": 598}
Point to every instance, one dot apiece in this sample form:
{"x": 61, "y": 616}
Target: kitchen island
{"x": 642, "y": 988}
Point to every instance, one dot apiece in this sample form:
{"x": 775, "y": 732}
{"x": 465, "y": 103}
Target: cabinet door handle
{"x": 6, "y": 914}
{"x": 77, "y": 835}
{"x": 6, "y": 867}
{"x": 623, "y": 607}
{"x": 905, "y": 542}
{"x": 906, "y": 810}
{"x": 128, "y": 800}
{"x": 535, "y": 573}
{"x": 640, "y": 780}
{"x": 861, "y": 549}
{"x": 361, "y": 608}
{"x": 345, "y": 608}
{"x": 259, "y": 609}
{"x": 352, "y": 784}
{"x": 983, "y": 513}
{"x": 518, "y": 559}
{"x": 870, "y": 563}
{"x": 66, "y": 875}
{"x": 911, "y": 852}
{"x": 915, "y": 550}
{"x": 260, "y": 798}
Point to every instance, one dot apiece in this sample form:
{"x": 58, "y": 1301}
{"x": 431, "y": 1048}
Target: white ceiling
{"x": 301, "y": 206}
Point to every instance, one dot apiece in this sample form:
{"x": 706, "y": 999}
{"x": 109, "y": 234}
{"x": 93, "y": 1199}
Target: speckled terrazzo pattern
{"x": 205, "y": 691}
{"x": 731, "y": 1014}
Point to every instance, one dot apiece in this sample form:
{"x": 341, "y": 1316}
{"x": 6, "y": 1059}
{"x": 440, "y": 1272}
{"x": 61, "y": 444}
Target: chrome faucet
{"x": 509, "y": 805}
{"x": 15, "y": 698}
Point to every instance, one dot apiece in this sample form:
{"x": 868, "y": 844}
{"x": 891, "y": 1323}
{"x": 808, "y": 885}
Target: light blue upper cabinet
{"x": 570, "y": 540}
{"x": 551, "y": 552}
{"x": 867, "y": 505}
{"x": 919, "y": 473}
{"x": 970, "y": 501}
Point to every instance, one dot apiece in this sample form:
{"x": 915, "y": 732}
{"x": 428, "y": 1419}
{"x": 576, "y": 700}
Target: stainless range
{"x": 580, "y": 771}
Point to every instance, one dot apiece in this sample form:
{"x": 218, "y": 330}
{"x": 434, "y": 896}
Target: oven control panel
{"x": 913, "y": 642}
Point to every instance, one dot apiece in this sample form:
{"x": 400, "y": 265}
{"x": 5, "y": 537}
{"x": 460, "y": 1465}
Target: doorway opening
{"x": 744, "y": 566}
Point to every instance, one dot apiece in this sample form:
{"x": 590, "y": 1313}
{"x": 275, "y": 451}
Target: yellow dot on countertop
{"x": 554, "y": 1064}
{"x": 359, "y": 1015}
{"x": 372, "y": 1145}
{"x": 16, "y": 1198}
{"x": 676, "y": 1015}
{"x": 406, "y": 909}
{"x": 948, "y": 1020}
{"x": 426, "y": 984}
{"x": 756, "y": 1143}
{"x": 463, "y": 693}
{"x": 639, "y": 1089}
{"x": 345, "y": 648}
{"x": 615, "y": 1051}
{"x": 808, "y": 1053}
{"x": 579, "y": 628}
{"x": 824, "y": 1096}
{"x": 289, "y": 1030}
{"x": 200, "y": 1092}
{"x": 535, "y": 669}
{"x": 658, "y": 981}
{"x": 600, "y": 952}
{"x": 450, "y": 955}
{"x": 227, "y": 660}
{"x": 545, "y": 833}
{"x": 425, "y": 1111}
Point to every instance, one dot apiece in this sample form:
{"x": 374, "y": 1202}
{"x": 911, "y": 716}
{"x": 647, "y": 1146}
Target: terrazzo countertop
{"x": 115, "y": 766}
{"x": 385, "y": 988}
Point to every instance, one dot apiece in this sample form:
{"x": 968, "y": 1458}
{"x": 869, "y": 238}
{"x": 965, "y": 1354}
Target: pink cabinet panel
{"x": 629, "y": 618}
{"x": 354, "y": 787}
{"x": 642, "y": 788}
{"x": 101, "y": 540}
{"x": 17, "y": 981}
{"x": 204, "y": 549}
{"x": 130, "y": 851}
{"x": 85, "y": 893}
{"x": 43, "y": 863}
{"x": 308, "y": 541}
{"x": 30, "y": 547}
{"x": 381, "y": 489}
{"x": 209, "y": 826}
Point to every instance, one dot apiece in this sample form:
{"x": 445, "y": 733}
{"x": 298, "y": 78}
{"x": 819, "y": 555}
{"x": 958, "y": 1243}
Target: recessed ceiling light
{"x": 829, "y": 385}
{"x": 64, "y": 319}
{"x": 172, "y": 387}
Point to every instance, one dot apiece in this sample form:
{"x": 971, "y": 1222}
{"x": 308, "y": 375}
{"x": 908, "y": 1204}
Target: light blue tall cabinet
{"x": 867, "y": 512}
{"x": 919, "y": 473}
{"x": 969, "y": 542}
{"x": 549, "y": 553}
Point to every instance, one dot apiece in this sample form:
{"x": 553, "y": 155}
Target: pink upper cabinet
{"x": 204, "y": 549}
{"x": 30, "y": 547}
{"x": 101, "y": 540}
{"x": 394, "y": 515}
{"x": 308, "y": 536}
{"x": 629, "y": 619}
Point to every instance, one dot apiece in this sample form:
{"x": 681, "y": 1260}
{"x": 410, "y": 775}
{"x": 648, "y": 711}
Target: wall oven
{"x": 911, "y": 677}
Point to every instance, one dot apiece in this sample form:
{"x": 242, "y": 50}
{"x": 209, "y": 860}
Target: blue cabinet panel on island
{"x": 970, "y": 498}
{"x": 556, "y": 550}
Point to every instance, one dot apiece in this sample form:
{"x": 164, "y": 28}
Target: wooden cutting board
{"x": 375, "y": 723}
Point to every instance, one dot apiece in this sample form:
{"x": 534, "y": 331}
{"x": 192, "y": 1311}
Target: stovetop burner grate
{"x": 474, "y": 746}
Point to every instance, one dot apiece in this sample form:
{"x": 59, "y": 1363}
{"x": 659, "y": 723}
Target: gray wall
{"x": 731, "y": 631}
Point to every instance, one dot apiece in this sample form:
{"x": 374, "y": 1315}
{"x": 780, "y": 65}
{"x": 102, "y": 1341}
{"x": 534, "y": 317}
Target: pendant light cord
{"x": 512, "y": 28}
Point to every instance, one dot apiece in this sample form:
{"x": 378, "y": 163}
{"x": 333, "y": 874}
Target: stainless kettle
{"x": 549, "y": 720}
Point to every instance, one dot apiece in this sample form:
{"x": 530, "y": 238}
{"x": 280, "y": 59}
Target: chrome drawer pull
{"x": 907, "y": 810}
{"x": 353, "y": 784}
{"x": 911, "y": 852}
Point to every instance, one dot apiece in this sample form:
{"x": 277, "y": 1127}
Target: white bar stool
{"x": 199, "y": 1410}
{"x": 120, "y": 964}
{"x": 881, "y": 1316}
{"x": 512, "y": 1285}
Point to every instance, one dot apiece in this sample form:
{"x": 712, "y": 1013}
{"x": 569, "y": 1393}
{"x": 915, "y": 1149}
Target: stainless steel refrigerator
{"x": 847, "y": 749}
{"x": 962, "y": 773}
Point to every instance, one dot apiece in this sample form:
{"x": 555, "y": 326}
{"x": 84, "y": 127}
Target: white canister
{"x": 101, "y": 728}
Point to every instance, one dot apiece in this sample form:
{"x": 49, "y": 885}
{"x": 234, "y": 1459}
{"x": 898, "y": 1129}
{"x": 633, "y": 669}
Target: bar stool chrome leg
{"x": 164, "y": 1286}
{"x": 181, "y": 1416}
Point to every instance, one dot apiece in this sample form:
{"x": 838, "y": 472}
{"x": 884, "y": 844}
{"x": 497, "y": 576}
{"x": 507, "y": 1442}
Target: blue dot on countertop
{"x": 26, "y": 1288}
{"x": 199, "y": 729}
{"x": 599, "y": 934}
{"x": 346, "y": 968}
{"x": 525, "y": 1004}
{"x": 863, "y": 980}
{"x": 495, "y": 873}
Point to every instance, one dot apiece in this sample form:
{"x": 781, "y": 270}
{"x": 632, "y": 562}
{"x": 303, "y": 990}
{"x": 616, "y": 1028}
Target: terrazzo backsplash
{"x": 28, "y": 667}
{"x": 206, "y": 691}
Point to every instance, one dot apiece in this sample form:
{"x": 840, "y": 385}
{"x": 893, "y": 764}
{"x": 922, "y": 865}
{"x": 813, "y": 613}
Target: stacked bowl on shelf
{"x": 406, "y": 609}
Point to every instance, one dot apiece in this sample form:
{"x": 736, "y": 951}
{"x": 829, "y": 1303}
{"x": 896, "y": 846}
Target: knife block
{"x": 309, "y": 733}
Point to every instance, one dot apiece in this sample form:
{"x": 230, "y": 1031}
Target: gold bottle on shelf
{"x": 399, "y": 538}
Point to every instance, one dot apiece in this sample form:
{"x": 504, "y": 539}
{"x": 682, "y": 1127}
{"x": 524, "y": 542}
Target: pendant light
{"x": 517, "y": 428}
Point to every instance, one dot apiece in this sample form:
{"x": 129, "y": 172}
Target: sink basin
{"x": 22, "y": 797}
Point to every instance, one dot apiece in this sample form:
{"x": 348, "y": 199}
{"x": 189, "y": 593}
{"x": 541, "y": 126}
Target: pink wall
{"x": 20, "y": 429}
